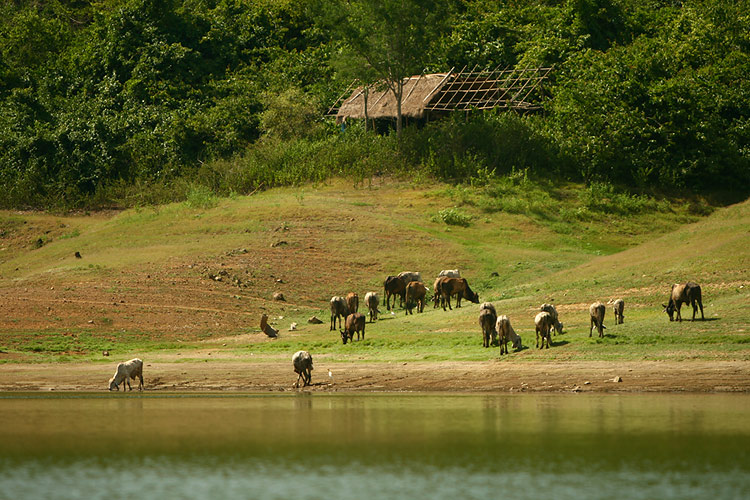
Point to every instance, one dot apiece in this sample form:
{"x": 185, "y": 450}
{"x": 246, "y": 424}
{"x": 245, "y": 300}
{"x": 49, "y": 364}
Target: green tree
{"x": 391, "y": 39}
{"x": 350, "y": 67}
{"x": 290, "y": 115}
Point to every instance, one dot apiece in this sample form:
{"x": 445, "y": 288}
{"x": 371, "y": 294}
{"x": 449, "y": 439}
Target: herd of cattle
{"x": 410, "y": 289}
{"x": 496, "y": 330}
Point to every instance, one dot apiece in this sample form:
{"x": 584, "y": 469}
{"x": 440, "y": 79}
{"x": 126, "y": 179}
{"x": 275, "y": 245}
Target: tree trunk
{"x": 366, "y": 95}
{"x": 399, "y": 95}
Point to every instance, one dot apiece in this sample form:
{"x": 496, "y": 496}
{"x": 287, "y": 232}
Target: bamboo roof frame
{"x": 506, "y": 88}
{"x": 461, "y": 90}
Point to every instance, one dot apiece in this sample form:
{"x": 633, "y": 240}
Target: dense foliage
{"x": 140, "y": 101}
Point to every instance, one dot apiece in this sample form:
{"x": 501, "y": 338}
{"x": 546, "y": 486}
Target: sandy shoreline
{"x": 588, "y": 376}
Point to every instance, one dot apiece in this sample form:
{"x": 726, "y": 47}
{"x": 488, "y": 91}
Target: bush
{"x": 489, "y": 144}
{"x": 453, "y": 217}
{"x": 602, "y": 197}
{"x": 201, "y": 197}
{"x": 290, "y": 115}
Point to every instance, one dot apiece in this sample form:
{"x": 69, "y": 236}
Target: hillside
{"x": 171, "y": 279}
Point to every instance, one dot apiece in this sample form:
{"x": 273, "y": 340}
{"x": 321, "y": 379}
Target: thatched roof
{"x": 451, "y": 91}
{"x": 382, "y": 104}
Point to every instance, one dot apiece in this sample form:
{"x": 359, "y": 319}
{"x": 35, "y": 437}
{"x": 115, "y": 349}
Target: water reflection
{"x": 374, "y": 446}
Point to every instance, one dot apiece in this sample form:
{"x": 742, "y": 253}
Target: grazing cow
{"x": 394, "y": 286}
{"x": 458, "y": 287}
{"x": 490, "y": 307}
{"x": 487, "y": 320}
{"x": 543, "y": 322}
{"x": 372, "y": 301}
{"x": 303, "y": 365}
{"x": 415, "y": 295}
{"x": 352, "y": 300}
{"x": 449, "y": 273}
{"x": 506, "y": 333}
{"x": 596, "y": 311}
{"x": 124, "y": 372}
{"x": 619, "y": 308}
{"x": 689, "y": 293}
{"x": 437, "y": 297}
{"x": 409, "y": 276}
{"x": 550, "y": 308}
{"x": 354, "y": 323}
{"x": 266, "y": 328}
{"x": 339, "y": 309}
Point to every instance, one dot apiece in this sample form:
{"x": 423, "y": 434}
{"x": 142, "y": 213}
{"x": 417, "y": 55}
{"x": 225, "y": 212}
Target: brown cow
{"x": 437, "y": 297}
{"x": 487, "y": 319}
{"x": 619, "y": 309}
{"x": 394, "y": 286}
{"x": 544, "y": 324}
{"x": 489, "y": 306}
{"x": 372, "y": 301}
{"x": 339, "y": 310}
{"x": 597, "y": 311}
{"x": 458, "y": 287}
{"x": 354, "y": 323}
{"x": 352, "y": 300}
{"x": 415, "y": 294}
{"x": 689, "y": 293}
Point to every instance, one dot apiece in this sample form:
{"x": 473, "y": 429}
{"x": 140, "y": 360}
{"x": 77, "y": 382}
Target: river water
{"x": 374, "y": 446}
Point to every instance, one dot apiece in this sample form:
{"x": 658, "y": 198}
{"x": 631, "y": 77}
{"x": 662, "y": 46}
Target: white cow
{"x": 449, "y": 273}
{"x": 125, "y": 371}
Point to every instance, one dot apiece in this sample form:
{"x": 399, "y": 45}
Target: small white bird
{"x": 330, "y": 376}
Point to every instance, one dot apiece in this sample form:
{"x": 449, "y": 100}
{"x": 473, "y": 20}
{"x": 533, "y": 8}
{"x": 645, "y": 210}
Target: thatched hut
{"x": 425, "y": 96}
{"x": 381, "y": 103}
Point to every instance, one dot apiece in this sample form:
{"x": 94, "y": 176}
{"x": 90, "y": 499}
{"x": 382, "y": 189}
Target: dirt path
{"x": 596, "y": 376}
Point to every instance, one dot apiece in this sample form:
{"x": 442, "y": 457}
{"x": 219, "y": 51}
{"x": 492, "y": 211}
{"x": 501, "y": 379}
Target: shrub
{"x": 602, "y": 197}
{"x": 289, "y": 115}
{"x": 453, "y": 217}
{"x": 201, "y": 197}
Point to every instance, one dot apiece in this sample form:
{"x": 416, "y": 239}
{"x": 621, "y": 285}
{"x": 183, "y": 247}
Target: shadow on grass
{"x": 696, "y": 320}
{"x": 387, "y": 315}
{"x": 553, "y": 344}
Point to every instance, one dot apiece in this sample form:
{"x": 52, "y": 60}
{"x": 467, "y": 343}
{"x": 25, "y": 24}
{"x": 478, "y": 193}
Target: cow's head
{"x": 517, "y": 342}
{"x": 113, "y": 385}
{"x": 669, "y": 309}
{"x": 344, "y": 336}
{"x": 472, "y": 296}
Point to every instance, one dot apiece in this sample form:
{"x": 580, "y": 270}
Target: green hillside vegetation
{"x": 125, "y": 103}
{"x": 339, "y": 239}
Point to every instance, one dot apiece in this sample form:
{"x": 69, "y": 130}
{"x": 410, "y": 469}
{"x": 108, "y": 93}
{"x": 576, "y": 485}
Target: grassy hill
{"x": 181, "y": 280}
